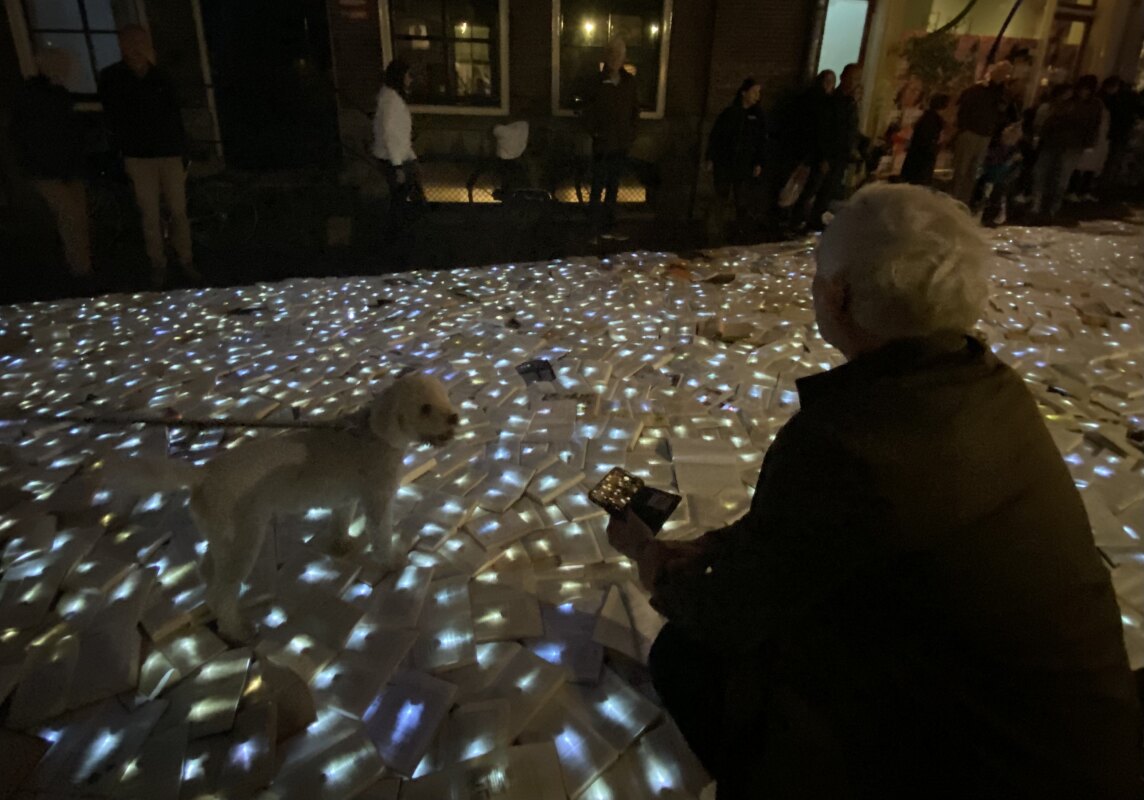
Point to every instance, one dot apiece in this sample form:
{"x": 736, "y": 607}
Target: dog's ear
{"x": 386, "y": 420}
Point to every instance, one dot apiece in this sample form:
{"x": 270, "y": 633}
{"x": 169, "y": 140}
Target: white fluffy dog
{"x": 236, "y": 494}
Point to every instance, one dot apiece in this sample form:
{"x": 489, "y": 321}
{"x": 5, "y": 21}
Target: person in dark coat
{"x": 794, "y": 149}
{"x": 835, "y": 137}
{"x": 1071, "y": 125}
{"x": 146, "y": 125}
{"x": 736, "y": 147}
{"x": 913, "y": 606}
{"x": 611, "y": 117}
{"x": 1122, "y": 105}
{"x": 925, "y": 143}
{"x": 982, "y": 110}
{"x": 49, "y": 136}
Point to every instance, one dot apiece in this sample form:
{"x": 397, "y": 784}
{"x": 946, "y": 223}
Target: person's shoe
{"x": 1022, "y": 199}
{"x": 1072, "y": 197}
{"x": 1090, "y": 198}
{"x": 615, "y": 237}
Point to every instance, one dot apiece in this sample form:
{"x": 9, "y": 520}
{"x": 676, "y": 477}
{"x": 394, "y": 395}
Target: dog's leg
{"x": 379, "y": 526}
{"x": 230, "y": 571}
{"x": 341, "y": 521}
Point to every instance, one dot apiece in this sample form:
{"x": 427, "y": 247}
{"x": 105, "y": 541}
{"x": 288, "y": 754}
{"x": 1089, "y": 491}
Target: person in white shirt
{"x": 393, "y": 139}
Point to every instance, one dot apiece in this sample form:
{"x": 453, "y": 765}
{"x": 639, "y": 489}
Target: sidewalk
{"x": 318, "y": 231}
{"x": 293, "y": 234}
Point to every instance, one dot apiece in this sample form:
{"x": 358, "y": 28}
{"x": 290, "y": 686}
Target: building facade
{"x": 279, "y": 83}
{"x": 272, "y": 84}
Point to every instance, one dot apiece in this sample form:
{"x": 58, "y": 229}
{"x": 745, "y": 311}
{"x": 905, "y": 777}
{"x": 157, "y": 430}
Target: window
{"x": 84, "y": 28}
{"x": 457, "y": 50}
{"x": 581, "y": 29}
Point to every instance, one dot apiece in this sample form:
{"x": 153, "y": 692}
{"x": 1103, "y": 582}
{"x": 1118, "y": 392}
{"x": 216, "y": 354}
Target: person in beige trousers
{"x": 142, "y": 113}
{"x": 49, "y": 137}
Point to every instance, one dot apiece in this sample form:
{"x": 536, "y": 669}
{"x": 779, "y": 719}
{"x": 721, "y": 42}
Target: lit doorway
{"x": 844, "y": 34}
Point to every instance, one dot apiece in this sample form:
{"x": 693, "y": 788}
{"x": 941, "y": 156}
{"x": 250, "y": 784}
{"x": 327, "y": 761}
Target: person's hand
{"x": 400, "y": 176}
{"x": 757, "y": 171}
{"x": 629, "y": 534}
{"x": 824, "y": 167}
{"x": 709, "y": 166}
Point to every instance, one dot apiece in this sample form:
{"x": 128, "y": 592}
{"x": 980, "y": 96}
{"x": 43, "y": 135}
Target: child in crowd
{"x": 1000, "y": 174}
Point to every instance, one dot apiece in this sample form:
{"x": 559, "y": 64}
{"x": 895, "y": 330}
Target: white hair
{"x": 914, "y": 261}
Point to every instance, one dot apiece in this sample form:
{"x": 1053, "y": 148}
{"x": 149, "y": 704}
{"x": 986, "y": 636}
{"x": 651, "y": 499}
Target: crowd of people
{"x": 778, "y": 172}
{"x": 785, "y": 172}
{"x": 1069, "y": 146}
{"x": 790, "y": 170}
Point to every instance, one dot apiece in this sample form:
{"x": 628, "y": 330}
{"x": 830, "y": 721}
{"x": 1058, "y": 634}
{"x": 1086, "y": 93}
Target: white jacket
{"x": 393, "y": 129}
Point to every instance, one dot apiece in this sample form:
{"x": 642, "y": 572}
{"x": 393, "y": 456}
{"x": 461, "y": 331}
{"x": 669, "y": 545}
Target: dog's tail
{"x": 149, "y": 475}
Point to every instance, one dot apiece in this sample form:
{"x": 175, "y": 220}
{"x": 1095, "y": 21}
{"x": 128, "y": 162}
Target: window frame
{"x": 501, "y": 110}
{"x": 661, "y": 85}
{"x": 25, "y": 51}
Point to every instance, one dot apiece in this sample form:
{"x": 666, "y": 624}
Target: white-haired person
{"x": 913, "y": 605}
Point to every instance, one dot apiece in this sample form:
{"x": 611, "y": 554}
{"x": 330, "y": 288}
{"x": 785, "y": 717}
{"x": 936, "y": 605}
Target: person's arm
{"x": 109, "y": 98}
{"x": 829, "y": 535}
{"x": 173, "y": 109}
{"x": 824, "y": 131}
{"x": 591, "y": 108}
{"x": 761, "y": 140}
{"x": 715, "y": 140}
{"x": 635, "y": 109}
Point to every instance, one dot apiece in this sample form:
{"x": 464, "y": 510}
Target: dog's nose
{"x": 453, "y": 419}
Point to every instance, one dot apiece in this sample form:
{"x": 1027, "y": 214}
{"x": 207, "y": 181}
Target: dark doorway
{"x": 273, "y": 78}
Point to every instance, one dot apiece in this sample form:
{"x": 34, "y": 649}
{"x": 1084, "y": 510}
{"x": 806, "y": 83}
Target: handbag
{"x": 794, "y": 186}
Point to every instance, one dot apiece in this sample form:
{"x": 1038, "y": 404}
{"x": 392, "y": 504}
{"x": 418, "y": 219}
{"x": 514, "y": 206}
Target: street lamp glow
{"x": 589, "y": 27}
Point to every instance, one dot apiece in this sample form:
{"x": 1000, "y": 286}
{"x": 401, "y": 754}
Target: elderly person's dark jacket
{"x": 913, "y": 606}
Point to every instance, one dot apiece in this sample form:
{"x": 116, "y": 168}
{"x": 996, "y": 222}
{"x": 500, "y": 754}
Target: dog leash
{"x": 172, "y": 422}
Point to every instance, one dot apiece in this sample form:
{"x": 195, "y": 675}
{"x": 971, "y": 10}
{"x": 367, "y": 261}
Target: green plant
{"x": 932, "y": 59}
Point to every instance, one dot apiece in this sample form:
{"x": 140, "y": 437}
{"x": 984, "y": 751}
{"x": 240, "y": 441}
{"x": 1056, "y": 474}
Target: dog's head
{"x": 415, "y": 408}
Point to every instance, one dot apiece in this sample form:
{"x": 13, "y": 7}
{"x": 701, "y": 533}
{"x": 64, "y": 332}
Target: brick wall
{"x": 765, "y": 39}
